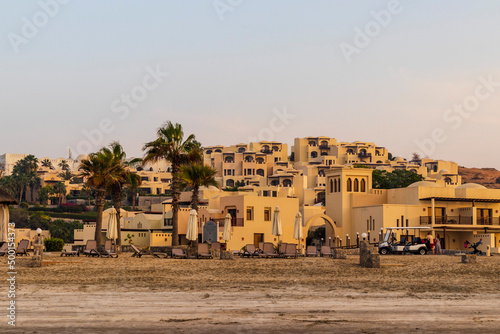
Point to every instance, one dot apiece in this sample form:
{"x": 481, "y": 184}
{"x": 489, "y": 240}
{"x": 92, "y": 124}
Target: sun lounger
{"x": 326, "y": 251}
{"x": 91, "y": 248}
{"x": 261, "y": 247}
{"x": 22, "y": 248}
{"x": 138, "y": 252}
{"x": 282, "y": 249}
{"x": 268, "y": 250}
{"x": 311, "y": 251}
{"x": 70, "y": 253}
{"x": 290, "y": 251}
{"x": 250, "y": 251}
{"x": 3, "y": 249}
{"x": 204, "y": 252}
{"x": 179, "y": 253}
{"x": 108, "y": 250}
{"x": 215, "y": 245}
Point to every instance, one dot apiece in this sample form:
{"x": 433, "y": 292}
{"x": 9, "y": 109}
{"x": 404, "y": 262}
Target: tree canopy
{"x": 396, "y": 179}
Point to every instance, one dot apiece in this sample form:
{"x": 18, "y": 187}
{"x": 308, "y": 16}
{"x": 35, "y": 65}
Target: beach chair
{"x": 311, "y": 251}
{"x": 91, "y": 248}
{"x": 290, "y": 251}
{"x": 22, "y": 248}
{"x": 215, "y": 245}
{"x": 108, "y": 250}
{"x": 250, "y": 251}
{"x": 204, "y": 252}
{"x": 260, "y": 248}
{"x": 326, "y": 251}
{"x": 282, "y": 249}
{"x": 178, "y": 253}
{"x": 140, "y": 252}
{"x": 3, "y": 249}
{"x": 268, "y": 250}
{"x": 70, "y": 253}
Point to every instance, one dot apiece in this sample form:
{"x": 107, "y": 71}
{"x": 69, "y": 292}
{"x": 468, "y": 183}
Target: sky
{"x": 413, "y": 76}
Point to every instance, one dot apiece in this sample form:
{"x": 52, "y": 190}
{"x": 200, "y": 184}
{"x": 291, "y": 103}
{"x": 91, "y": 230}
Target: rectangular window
{"x": 267, "y": 214}
{"x": 275, "y": 193}
{"x": 249, "y": 212}
{"x": 265, "y": 193}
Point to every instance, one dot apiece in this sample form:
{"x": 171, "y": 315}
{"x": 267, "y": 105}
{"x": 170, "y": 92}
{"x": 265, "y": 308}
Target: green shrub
{"x": 54, "y": 244}
{"x": 24, "y": 205}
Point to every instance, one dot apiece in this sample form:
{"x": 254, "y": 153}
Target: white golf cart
{"x": 407, "y": 244}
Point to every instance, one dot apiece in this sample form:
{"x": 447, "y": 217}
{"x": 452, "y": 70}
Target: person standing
{"x": 437, "y": 248}
{"x": 430, "y": 242}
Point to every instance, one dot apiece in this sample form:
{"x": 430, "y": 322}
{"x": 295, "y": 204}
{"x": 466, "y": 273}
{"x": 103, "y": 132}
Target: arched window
{"x": 260, "y": 172}
{"x": 208, "y": 152}
{"x": 276, "y": 148}
{"x": 435, "y": 168}
{"x": 230, "y": 183}
{"x": 338, "y": 183}
{"x": 363, "y": 185}
{"x": 447, "y": 180}
{"x": 377, "y": 152}
{"x": 332, "y": 187}
{"x": 260, "y": 160}
{"x": 287, "y": 183}
{"x": 314, "y": 154}
{"x": 324, "y": 153}
{"x": 312, "y": 143}
{"x": 349, "y": 184}
{"x": 249, "y": 158}
{"x": 350, "y": 151}
{"x": 356, "y": 185}
{"x": 379, "y": 161}
{"x": 241, "y": 150}
{"x": 265, "y": 149}
{"x": 321, "y": 173}
{"x": 218, "y": 151}
{"x": 275, "y": 183}
{"x": 228, "y": 160}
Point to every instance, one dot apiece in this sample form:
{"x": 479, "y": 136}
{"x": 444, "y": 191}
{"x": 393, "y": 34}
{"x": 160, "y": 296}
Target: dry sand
{"x": 148, "y": 295}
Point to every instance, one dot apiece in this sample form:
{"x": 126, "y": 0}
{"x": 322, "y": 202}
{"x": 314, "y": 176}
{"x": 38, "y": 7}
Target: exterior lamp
{"x": 39, "y": 231}
{"x": 363, "y": 236}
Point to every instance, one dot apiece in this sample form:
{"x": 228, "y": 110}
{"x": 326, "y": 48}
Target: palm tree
{"x": 171, "y": 146}
{"x": 64, "y": 165}
{"x": 123, "y": 176}
{"x": 99, "y": 171}
{"x": 66, "y": 175}
{"x": 60, "y": 191}
{"x": 47, "y": 163}
{"x": 134, "y": 181}
{"x": 194, "y": 176}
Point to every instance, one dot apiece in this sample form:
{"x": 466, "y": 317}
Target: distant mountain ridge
{"x": 483, "y": 176}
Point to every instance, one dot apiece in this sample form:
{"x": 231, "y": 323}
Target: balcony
{"x": 446, "y": 220}
{"x": 266, "y": 151}
{"x": 488, "y": 221}
{"x": 324, "y": 147}
{"x": 237, "y": 222}
{"x": 365, "y": 155}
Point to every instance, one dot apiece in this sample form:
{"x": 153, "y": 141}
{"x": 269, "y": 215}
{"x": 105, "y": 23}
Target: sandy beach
{"x": 408, "y": 294}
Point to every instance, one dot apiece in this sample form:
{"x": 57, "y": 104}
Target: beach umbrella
{"x": 4, "y": 221}
{"x": 297, "y": 228}
{"x": 277, "y": 228}
{"x": 112, "y": 232}
{"x": 192, "y": 228}
{"x": 226, "y": 234}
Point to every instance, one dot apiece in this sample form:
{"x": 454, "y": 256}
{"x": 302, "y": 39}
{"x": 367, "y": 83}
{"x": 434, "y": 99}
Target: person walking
{"x": 430, "y": 242}
{"x": 437, "y": 248}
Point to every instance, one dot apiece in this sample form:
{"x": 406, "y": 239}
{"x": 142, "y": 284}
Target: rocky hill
{"x": 485, "y": 176}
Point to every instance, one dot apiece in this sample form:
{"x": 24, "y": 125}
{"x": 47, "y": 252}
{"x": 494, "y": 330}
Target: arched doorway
{"x": 319, "y": 221}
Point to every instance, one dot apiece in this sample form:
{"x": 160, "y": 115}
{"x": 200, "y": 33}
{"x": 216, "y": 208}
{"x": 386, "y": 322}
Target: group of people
{"x": 434, "y": 243}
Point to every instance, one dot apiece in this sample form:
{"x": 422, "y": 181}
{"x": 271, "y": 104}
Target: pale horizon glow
{"x": 226, "y": 78}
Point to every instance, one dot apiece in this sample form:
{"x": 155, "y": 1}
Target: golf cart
{"x": 407, "y": 244}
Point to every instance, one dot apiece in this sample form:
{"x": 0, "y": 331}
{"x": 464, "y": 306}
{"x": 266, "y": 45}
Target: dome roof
{"x": 81, "y": 157}
{"x": 471, "y": 186}
{"x": 444, "y": 171}
{"x": 424, "y": 184}
{"x": 399, "y": 159}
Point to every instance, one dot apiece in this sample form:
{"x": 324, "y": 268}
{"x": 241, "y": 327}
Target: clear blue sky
{"x": 227, "y": 76}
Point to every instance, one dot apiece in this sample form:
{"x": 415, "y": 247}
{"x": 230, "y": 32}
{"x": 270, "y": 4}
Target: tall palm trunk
{"x": 117, "y": 203}
{"x": 176, "y": 194}
{"x": 99, "y": 206}
{"x": 195, "y": 198}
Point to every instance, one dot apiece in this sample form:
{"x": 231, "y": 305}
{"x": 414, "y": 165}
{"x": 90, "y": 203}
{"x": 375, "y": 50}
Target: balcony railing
{"x": 448, "y": 220}
{"x": 237, "y": 222}
{"x": 364, "y": 155}
{"x": 324, "y": 147}
{"x": 488, "y": 221}
{"x": 266, "y": 151}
